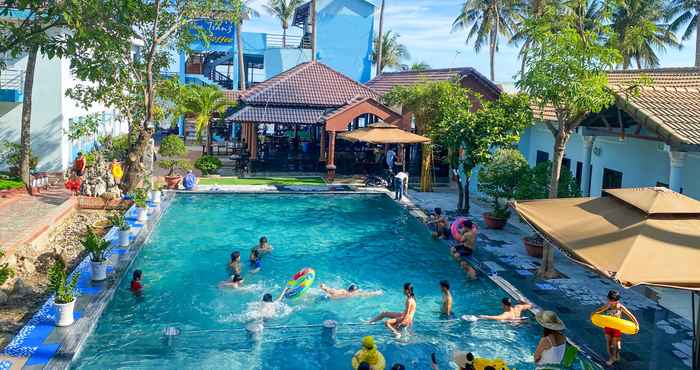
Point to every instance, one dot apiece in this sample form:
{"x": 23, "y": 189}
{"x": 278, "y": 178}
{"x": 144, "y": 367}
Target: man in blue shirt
{"x": 190, "y": 181}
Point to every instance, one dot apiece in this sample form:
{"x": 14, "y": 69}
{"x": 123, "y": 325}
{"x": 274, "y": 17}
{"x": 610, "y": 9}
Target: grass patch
{"x": 289, "y": 181}
{"x": 6, "y": 184}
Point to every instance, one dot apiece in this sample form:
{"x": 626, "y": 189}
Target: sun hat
{"x": 462, "y": 359}
{"x": 550, "y": 320}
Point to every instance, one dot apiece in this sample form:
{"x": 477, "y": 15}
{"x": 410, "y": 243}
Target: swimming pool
{"x": 363, "y": 239}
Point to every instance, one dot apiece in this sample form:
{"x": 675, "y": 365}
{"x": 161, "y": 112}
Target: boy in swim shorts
{"x": 613, "y": 336}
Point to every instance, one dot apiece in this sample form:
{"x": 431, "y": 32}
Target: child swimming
{"x": 235, "y": 263}
{"x": 235, "y": 282}
{"x": 255, "y": 262}
{"x": 136, "y": 286}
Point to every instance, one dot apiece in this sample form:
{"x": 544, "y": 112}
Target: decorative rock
{"x": 28, "y": 266}
{"x": 3, "y": 297}
{"x": 21, "y": 288}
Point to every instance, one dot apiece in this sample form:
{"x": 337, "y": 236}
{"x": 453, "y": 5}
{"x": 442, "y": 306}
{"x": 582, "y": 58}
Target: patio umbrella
{"x": 383, "y": 133}
{"x": 637, "y": 236}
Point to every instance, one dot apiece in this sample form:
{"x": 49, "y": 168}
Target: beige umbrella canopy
{"x": 637, "y": 236}
{"x": 383, "y": 133}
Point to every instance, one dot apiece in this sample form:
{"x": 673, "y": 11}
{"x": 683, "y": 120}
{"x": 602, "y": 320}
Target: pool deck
{"x": 499, "y": 253}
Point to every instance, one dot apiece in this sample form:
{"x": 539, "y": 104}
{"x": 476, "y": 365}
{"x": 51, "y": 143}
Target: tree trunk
{"x": 25, "y": 135}
{"x": 492, "y": 56}
{"x": 284, "y": 37}
{"x": 426, "y": 180}
{"x": 380, "y": 43}
{"x": 134, "y": 160}
{"x": 460, "y": 199}
{"x": 697, "y": 34}
{"x": 241, "y": 64}
{"x": 465, "y": 189}
{"x": 210, "y": 150}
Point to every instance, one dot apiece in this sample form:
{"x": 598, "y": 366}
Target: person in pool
{"x": 263, "y": 246}
{"x": 511, "y": 312}
{"x": 235, "y": 282}
{"x": 613, "y": 336}
{"x": 400, "y": 320}
{"x": 351, "y": 291}
{"x": 255, "y": 262}
{"x": 136, "y": 285}
{"x": 441, "y": 229}
{"x": 446, "y": 309}
{"x": 235, "y": 263}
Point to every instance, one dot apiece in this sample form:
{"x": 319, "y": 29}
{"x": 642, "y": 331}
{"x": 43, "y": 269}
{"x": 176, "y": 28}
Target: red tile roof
{"x": 386, "y": 81}
{"x": 284, "y": 115}
{"x": 310, "y": 84}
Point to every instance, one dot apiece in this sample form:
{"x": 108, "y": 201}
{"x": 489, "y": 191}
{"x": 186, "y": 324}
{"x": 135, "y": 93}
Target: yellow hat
{"x": 368, "y": 342}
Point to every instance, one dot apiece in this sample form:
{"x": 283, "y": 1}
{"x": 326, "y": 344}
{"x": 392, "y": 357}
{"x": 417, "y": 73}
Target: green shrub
{"x": 115, "y": 147}
{"x": 535, "y": 183}
{"x": 499, "y": 178}
{"x": 6, "y": 271}
{"x": 95, "y": 245}
{"x": 208, "y": 164}
{"x": 10, "y": 155}
{"x": 59, "y": 284}
{"x": 140, "y": 196}
{"x": 10, "y": 183}
{"x": 118, "y": 220}
{"x": 172, "y": 147}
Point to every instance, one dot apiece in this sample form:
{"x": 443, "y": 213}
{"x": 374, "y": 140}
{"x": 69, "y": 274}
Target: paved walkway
{"x": 25, "y": 217}
{"x": 665, "y": 339}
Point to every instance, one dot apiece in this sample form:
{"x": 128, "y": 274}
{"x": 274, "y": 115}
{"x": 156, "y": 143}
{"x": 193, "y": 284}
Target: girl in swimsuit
{"x": 613, "y": 336}
{"x": 400, "y": 320}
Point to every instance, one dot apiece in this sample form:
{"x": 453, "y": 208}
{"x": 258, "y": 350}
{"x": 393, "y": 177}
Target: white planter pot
{"x": 99, "y": 270}
{"x": 124, "y": 238}
{"x": 155, "y": 196}
{"x": 64, "y": 316}
{"x": 142, "y": 214}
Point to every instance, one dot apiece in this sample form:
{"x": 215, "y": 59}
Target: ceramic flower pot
{"x": 494, "y": 222}
{"x": 155, "y": 196}
{"x": 64, "y": 316}
{"x": 533, "y": 249}
{"x": 124, "y": 238}
{"x": 173, "y": 182}
{"x": 142, "y": 214}
{"x": 99, "y": 270}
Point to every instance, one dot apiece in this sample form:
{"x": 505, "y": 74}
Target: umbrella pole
{"x": 696, "y": 332}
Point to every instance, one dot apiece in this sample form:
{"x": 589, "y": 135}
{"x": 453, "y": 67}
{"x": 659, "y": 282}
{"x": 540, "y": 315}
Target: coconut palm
{"x": 420, "y": 66}
{"x": 687, "y": 13}
{"x": 284, "y": 11}
{"x": 245, "y": 12}
{"x": 204, "y": 101}
{"x": 392, "y": 51}
{"x": 641, "y": 31}
{"x": 485, "y": 21}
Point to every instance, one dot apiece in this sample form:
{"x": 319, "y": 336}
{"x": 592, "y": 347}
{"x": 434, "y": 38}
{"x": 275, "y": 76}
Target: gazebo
{"x": 314, "y": 97}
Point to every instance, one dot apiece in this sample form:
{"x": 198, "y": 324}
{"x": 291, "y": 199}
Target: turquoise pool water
{"x": 361, "y": 239}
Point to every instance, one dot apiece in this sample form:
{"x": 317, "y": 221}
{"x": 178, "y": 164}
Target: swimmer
{"x": 511, "y": 312}
{"x": 235, "y": 263}
{"x": 255, "y": 263}
{"x": 441, "y": 229}
{"x": 468, "y": 269}
{"x": 446, "y": 299}
{"x": 235, "y": 282}
{"x": 136, "y": 286}
{"x": 263, "y": 246}
{"x": 351, "y": 291}
{"x": 400, "y": 320}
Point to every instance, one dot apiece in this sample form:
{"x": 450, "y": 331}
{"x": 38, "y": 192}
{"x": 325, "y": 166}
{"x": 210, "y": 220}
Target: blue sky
{"x": 425, "y": 28}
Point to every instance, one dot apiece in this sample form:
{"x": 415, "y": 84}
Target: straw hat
{"x": 460, "y": 358}
{"x": 550, "y": 320}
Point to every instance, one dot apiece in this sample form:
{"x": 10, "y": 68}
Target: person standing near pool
{"x": 510, "y": 311}
{"x": 613, "y": 337}
{"x": 235, "y": 263}
{"x": 400, "y": 320}
{"x": 446, "y": 299}
{"x": 400, "y": 185}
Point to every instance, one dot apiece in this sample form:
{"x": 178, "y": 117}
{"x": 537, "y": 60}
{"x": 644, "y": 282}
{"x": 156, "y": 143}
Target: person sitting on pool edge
{"x": 351, "y": 291}
{"x": 255, "y": 262}
{"x": 263, "y": 246}
{"x": 466, "y": 247}
{"x": 235, "y": 282}
{"x": 235, "y": 263}
{"x": 190, "y": 181}
{"x": 510, "y": 311}
{"x": 400, "y": 320}
{"x": 136, "y": 286}
{"x": 438, "y": 224}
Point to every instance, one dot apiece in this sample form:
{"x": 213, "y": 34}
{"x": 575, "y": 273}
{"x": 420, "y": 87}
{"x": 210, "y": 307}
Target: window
{"x": 541, "y": 157}
{"x": 612, "y": 179}
{"x": 579, "y": 173}
{"x": 566, "y": 163}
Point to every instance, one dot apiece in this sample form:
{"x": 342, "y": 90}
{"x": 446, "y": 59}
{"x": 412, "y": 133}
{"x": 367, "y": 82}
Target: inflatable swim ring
{"x": 454, "y": 228}
{"x": 624, "y": 326}
{"x": 300, "y": 283}
{"x": 496, "y": 363}
{"x": 380, "y": 365}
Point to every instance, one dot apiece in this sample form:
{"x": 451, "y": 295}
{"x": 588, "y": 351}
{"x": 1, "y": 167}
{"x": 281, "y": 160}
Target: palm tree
{"x": 392, "y": 51}
{"x": 284, "y": 11}
{"x": 203, "y": 101}
{"x": 687, "y": 12}
{"x": 641, "y": 31}
{"x": 487, "y": 20}
{"x": 244, "y": 12}
{"x": 420, "y": 66}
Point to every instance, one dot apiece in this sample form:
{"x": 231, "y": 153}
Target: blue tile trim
{"x": 5, "y": 365}
{"x": 43, "y": 354}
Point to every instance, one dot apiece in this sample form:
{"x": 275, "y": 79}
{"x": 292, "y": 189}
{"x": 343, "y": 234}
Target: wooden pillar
{"x": 400, "y": 157}
{"x": 322, "y": 151}
{"x": 254, "y": 141}
{"x": 330, "y": 167}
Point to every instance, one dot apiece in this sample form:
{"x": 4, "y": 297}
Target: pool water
{"x": 363, "y": 239}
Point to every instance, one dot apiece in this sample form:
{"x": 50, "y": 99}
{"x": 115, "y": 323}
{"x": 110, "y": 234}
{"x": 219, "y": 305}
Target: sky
{"x": 425, "y": 28}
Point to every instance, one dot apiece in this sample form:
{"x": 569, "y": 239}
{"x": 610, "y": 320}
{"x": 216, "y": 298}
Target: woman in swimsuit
{"x": 613, "y": 336}
{"x": 400, "y": 320}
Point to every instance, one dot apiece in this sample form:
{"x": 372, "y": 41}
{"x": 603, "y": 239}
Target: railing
{"x": 221, "y": 79}
{"x": 292, "y": 42}
{"x": 12, "y": 79}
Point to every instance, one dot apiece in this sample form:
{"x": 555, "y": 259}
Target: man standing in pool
{"x": 613, "y": 336}
{"x": 511, "y": 312}
{"x": 400, "y": 320}
{"x": 446, "y": 310}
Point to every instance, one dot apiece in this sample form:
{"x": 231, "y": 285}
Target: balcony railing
{"x": 291, "y": 42}
{"x": 12, "y": 79}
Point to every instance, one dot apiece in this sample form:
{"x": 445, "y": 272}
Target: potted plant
{"x": 157, "y": 192}
{"x": 141, "y": 200}
{"x": 118, "y": 220}
{"x": 97, "y": 247}
{"x": 499, "y": 180}
{"x": 208, "y": 164}
{"x": 534, "y": 245}
{"x": 64, "y": 299}
{"x": 170, "y": 148}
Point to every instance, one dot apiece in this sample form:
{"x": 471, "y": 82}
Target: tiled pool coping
{"x": 40, "y": 344}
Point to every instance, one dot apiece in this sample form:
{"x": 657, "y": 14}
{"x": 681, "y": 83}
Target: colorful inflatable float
{"x": 456, "y": 225}
{"x": 300, "y": 283}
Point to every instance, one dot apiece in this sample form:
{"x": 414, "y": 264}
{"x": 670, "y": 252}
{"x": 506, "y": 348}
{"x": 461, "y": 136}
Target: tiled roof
{"x": 670, "y": 103}
{"x": 286, "y": 115}
{"x": 386, "y": 81}
{"x": 310, "y": 84}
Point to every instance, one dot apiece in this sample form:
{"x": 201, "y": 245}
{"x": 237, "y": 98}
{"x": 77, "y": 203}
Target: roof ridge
{"x": 654, "y": 70}
{"x": 427, "y": 71}
{"x": 345, "y": 77}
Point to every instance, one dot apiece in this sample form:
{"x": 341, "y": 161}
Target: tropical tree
{"x": 204, "y": 102}
{"x": 393, "y": 52}
{"x": 284, "y": 11}
{"x": 420, "y": 66}
{"x": 243, "y": 11}
{"x": 687, "y": 13}
{"x": 567, "y": 70}
{"x": 485, "y": 21}
{"x": 640, "y": 30}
